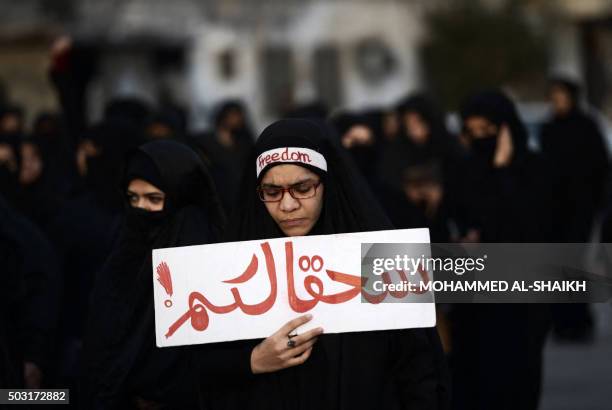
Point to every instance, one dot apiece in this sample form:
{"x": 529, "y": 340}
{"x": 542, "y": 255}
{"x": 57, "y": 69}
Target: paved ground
{"x": 579, "y": 377}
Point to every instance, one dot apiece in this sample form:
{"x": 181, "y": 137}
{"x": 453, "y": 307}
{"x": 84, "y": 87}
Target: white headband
{"x": 291, "y": 154}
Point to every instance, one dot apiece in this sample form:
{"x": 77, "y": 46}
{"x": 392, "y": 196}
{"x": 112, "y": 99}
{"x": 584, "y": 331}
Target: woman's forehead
{"x": 287, "y": 174}
{"x": 142, "y": 187}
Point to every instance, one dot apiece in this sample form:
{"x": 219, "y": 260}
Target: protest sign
{"x": 248, "y": 290}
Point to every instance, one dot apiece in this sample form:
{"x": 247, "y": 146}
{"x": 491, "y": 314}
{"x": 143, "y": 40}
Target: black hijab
{"x": 440, "y": 143}
{"x": 571, "y": 88}
{"x": 121, "y": 360}
{"x": 365, "y": 156}
{"x": 336, "y": 374}
{"x": 348, "y": 205}
{"x": 576, "y": 150}
{"x": 496, "y": 107}
{"x": 113, "y": 139}
{"x": 243, "y": 133}
{"x": 508, "y": 203}
{"x": 440, "y": 146}
{"x": 428, "y": 111}
{"x": 9, "y": 185}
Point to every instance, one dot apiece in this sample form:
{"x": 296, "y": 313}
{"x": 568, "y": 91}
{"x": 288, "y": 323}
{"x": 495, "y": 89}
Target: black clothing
{"x": 225, "y": 164}
{"x": 407, "y": 215}
{"x": 348, "y": 203}
{"x": 41, "y": 199}
{"x": 70, "y": 73}
{"x": 83, "y": 231}
{"x": 11, "y": 282}
{"x": 383, "y": 369}
{"x": 575, "y": 148}
{"x": 9, "y": 169}
{"x": 32, "y": 291}
{"x": 225, "y": 149}
{"x": 367, "y": 370}
{"x": 403, "y": 152}
{"x": 365, "y": 156}
{"x": 121, "y": 360}
{"x": 497, "y": 348}
{"x": 49, "y": 134}
{"x": 113, "y": 139}
{"x": 141, "y": 166}
{"x": 132, "y": 110}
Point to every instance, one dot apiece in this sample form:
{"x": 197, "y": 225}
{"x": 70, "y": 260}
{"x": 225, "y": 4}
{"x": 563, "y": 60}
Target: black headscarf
{"x": 571, "y": 87}
{"x": 501, "y": 200}
{"x": 403, "y": 152}
{"x": 170, "y": 122}
{"x": 496, "y": 107}
{"x": 575, "y": 148}
{"x": 338, "y": 375}
{"x": 242, "y": 134}
{"x": 31, "y": 282}
{"x": 429, "y": 112}
{"x": 365, "y": 156}
{"x": 11, "y": 139}
{"x": 348, "y": 205}
{"x": 113, "y": 139}
{"x": 128, "y": 109}
{"x": 121, "y": 360}
{"x": 507, "y": 204}
{"x": 49, "y": 133}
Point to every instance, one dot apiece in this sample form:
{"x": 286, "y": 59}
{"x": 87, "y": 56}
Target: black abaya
{"x": 122, "y": 363}
{"x": 399, "y": 369}
{"x": 497, "y": 348}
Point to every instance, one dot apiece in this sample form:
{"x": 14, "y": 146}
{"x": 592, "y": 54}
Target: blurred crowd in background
{"x": 482, "y": 173}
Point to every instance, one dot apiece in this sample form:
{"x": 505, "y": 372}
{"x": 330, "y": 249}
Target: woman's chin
{"x": 296, "y": 230}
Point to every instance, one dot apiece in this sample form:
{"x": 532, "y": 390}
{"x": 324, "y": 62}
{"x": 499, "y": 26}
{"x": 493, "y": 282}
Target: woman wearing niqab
{"x": 369, "y": 370}
{"x": 123, "y": 367}
{"x": 497, "y": 348}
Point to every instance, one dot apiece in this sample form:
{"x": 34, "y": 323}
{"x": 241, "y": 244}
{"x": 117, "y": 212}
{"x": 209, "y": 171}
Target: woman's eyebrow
{"x": 307, "y": 179}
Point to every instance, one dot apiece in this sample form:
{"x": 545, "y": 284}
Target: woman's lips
{"x": 293, "y": 222}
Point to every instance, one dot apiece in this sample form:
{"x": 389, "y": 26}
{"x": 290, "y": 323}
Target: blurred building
{"x": 273, "y": 54}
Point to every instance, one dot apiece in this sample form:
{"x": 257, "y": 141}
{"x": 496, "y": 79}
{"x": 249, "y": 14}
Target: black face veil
{"x": 496, "y": 107}
{"x": 348, "y": 204}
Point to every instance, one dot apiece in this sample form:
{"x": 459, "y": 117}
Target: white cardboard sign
{"x": 248, "y": 290}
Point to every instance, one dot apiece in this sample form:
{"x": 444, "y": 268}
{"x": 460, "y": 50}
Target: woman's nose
{"x": 143, "y": 204}
{"x": 288, "y": 203}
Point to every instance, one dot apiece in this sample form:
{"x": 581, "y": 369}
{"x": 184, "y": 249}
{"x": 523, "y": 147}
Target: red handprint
{"x": 164, "y": 277}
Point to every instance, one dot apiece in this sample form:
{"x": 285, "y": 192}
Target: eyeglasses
{"x": 303, "y": 190}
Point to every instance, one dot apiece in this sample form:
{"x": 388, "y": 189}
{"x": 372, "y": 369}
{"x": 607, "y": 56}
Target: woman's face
{"x": 295, "y": 217}
{"x": 478, "y": 127}
{"x": 145, "y": 196}
{"x": 417, "y": 128}
{"x": 560, "y": 100}
{"x": 31, "y": 164}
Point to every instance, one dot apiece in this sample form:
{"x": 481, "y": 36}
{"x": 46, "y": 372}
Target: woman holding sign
{"x": 170, "y": 201}
{"x": 301, "y": 185}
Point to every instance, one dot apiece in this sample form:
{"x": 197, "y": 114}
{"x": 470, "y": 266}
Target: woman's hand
{"x": 274, "y": 353}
